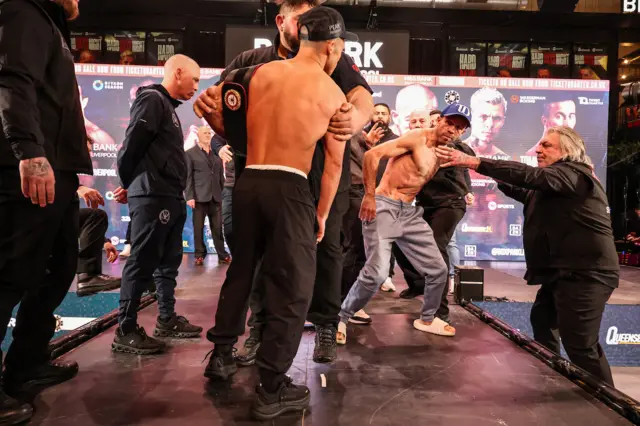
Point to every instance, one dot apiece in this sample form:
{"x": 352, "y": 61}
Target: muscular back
{"x": 290, "y": 106}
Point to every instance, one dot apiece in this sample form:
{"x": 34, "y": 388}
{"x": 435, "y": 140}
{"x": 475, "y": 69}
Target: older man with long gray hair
{"x": 568, "y": 242}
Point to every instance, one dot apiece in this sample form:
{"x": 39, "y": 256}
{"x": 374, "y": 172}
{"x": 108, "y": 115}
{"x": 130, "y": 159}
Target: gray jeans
{"x": 402, "y": 223}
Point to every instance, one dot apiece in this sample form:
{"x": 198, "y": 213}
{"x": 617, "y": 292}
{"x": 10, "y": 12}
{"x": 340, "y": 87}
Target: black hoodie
{"x": 567, "y": 225}
{"x": 152, "y": 161}
{"x": 40, "y": 111}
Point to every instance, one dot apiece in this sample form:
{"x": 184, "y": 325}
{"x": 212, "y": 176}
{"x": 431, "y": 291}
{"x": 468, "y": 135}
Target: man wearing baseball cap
{"x": 412, "y": 164}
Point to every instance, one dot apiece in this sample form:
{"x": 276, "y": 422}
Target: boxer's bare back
{"x": 290, "y": 106}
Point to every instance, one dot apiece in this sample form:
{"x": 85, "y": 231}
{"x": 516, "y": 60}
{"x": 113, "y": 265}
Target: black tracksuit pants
{"x": 212, "y": 210}
{"x": 571, "y": 307}
{"x": 38, "y": 260}
{"x": 443, "y": 222}
{"x": 273, "y": 217}
{"x": 93, "y": 227}
{"x": 156, "y": 254}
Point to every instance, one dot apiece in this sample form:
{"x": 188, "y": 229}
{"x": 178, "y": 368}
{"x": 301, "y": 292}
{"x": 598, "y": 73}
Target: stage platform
{"x": 387, "y": 374}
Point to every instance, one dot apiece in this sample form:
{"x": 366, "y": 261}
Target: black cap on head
{"x": 323, "y": 24}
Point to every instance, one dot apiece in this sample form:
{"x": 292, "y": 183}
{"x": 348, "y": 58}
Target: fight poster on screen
{"x": 86, "y": 47}
{"x": 510, "y": 116}
{"x": 550, "y": 61}
{"x": 507, "y": 60}
{"x": 125, "y": 48}
{"x": 590, "y": 61}
{"x": 162, "y": 46}
{"x": 468, "y": 59}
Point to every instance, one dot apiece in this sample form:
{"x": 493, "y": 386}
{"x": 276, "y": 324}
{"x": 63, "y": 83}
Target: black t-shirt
{"x": 346, "y": 75}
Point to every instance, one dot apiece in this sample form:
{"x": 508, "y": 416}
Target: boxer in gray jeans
{"x": 388, "y": 216}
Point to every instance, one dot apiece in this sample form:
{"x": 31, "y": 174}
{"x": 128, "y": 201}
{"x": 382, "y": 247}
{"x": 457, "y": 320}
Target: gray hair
{"x": 490, "y": 96}
{"x": 571, "y": 145}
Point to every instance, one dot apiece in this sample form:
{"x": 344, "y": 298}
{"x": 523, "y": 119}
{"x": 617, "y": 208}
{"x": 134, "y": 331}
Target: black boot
{"x": 92, "y": 284}
{"x": 221, "y": 365}
{"x": 20, "y": 381}
{"x": 287, "y": 398}
{"x": 247, "y": 355}
{"x": 326, "y": 349}
{"x": 13, "y": 412}
{"x": 136, "y": 342}
{"x": 177, "y": 326}
{"x": 410, "y": 293}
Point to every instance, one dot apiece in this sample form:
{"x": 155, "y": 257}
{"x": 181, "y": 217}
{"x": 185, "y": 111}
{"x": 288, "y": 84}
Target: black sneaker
{"x": 221, "y": 365}
{"x": 410, "y": 293}
{"x": 16, "y": 382}
{"x": 177, "y": 326}
{"x": 247, "y": 355}
{"x": 136, "y": 342}
{"x": 287, "y": 398}
{"x": 92, "y": 284}
{"x": 13, "y": 412}
{"x": 326, "y": 349}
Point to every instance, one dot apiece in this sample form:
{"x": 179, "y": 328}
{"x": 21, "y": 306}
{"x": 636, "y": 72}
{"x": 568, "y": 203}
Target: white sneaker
{"x": 341, "y": 335}
{"x": 126, "y": 252}
{"x": 360, "y": 318}
{"x": 387, "y": 285}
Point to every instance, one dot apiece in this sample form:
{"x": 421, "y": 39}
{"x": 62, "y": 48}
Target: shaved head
{"x": 181, "y": 77}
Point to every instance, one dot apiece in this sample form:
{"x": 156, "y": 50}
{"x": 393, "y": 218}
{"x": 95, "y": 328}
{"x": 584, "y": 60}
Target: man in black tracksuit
{"x": 444, "y": 202}
{"x": 42, "y": 149}
{"x": 325, "y": 305}
{"x": 152, "y": 168}
{"x": 568, "y": 243}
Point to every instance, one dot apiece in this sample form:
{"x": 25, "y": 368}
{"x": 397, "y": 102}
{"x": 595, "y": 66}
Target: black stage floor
{"x": 387, "y": 374}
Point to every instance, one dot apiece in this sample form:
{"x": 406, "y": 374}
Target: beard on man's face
{"x": 291, "y": 40}
{"x": 70, "y": 7}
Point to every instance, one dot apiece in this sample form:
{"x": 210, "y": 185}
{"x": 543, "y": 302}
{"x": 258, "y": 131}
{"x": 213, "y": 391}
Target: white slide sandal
{"x": 436, "y": 327}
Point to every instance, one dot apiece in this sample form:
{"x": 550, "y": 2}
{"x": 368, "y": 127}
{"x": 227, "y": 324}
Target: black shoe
{"x": 13, "y": 412}
{"x": 221, "y": 365}
{"x": 247, "y": 355}
{"x": 136, "y": 342}
{"x": 16, "y": 382}
{"x": 326, "y": 349}
{"x": 92, "y": 284}
{"x": 177, "y": 326}
{"x": 409, "y": 293}
{"x": 287, "y": 398}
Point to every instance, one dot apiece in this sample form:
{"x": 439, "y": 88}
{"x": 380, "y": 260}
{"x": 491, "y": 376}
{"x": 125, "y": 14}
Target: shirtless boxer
{"x": 273, "y": 211}
{"x": 388, "y": 216}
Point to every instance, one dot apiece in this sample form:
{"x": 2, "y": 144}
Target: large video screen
{"x": 509, "y": 118}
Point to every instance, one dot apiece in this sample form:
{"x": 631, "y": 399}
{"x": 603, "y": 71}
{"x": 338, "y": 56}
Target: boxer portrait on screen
{"x": 560, "y": 111}
{"x": 409, "y": 99}
{"x": 489, "y": 110}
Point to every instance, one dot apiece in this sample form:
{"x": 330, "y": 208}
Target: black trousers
{"x": 443, "y": 222}
{"x": 227, "y": 223}
{"x": 274, "y": 217}
{"x": 38, "y": 260}
{"x": 128, "y": 234}
{"x": 571, "y": 307}
{"x": 212, "y": 210}
{"x": 93, "y": 227}
{"x": 156, "y": 254}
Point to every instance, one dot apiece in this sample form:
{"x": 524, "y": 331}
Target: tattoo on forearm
{"x": 38, "y": 167}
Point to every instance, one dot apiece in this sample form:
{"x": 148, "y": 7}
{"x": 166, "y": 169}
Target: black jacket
{"x": 151, "y": 161}
{"x": 448, "y": 186}
{"x": 205, "y": 178}
{"x": 40, "y": 109}
{"x": 566, "y": 214}
{"x": 346, "y": 76}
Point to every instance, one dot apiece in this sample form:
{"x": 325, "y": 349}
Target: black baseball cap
{"x": 324, "y": 23}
